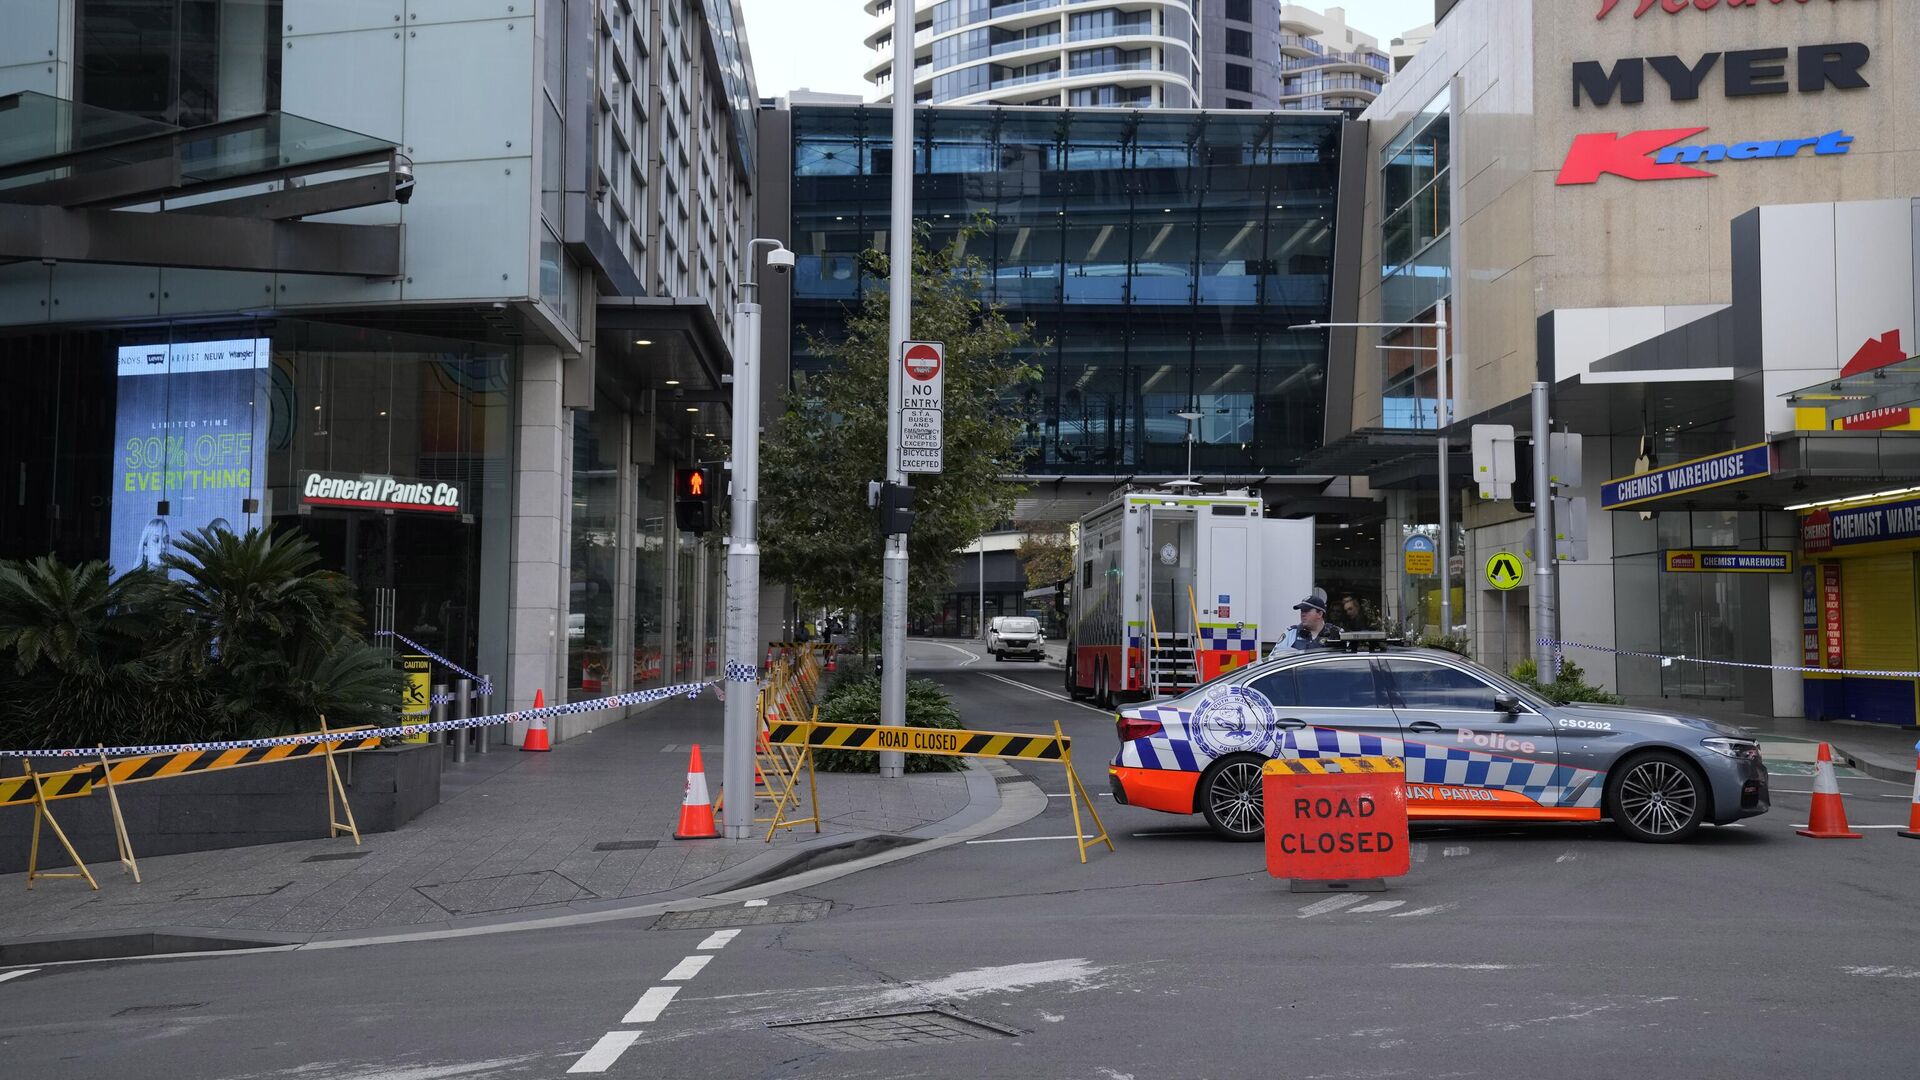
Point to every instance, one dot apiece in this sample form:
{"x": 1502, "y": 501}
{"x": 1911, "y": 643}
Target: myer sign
{"x": 379, "y": 493}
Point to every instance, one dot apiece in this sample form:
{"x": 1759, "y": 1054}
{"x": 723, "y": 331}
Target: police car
{"x": 1477, "y": 745}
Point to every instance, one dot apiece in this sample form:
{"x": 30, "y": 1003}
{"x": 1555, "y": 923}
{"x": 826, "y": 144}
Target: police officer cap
{"x": 1318, "y": 602}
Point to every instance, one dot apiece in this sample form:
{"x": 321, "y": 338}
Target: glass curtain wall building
{"x": 1160, "y": 256}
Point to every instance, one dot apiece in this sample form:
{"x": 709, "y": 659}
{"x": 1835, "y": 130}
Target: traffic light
{"x": 896, "y": 509}
{"x": 693, "y": 500}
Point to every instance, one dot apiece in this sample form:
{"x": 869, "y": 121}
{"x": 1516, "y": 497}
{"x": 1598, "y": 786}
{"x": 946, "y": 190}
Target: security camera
{"x": 780, "y": 260}
{"x": 403, "y": 180}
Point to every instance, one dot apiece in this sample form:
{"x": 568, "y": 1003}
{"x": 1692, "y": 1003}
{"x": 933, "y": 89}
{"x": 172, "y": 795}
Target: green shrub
{"x": 252, "y": 641}
{"x": 857, "y": 701}
{"x": 1570, "y": 686}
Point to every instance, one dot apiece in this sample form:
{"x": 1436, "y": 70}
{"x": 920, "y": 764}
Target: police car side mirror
{"x": 1507, "y": 703}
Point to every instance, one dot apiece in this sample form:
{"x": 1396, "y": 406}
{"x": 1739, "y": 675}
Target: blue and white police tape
{"x": 1676, "y": 658}
{"x": 617, "y": 701}
{"x": 482, "y": 685}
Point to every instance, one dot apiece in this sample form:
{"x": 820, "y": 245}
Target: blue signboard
{"x": 1826, "y": 529}
{"x": 1700, "y": 474}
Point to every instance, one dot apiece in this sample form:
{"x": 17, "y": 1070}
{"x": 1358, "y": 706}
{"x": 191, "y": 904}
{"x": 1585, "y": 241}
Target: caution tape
{"x": 572, "y": 708}
{"x": 1334, "y": 766}
{"x": 483, "y": 686}
{"x": 134, "y": 770}
{"x": 18, "y": 790}
{"x": 916, "y": 740}
{"x": 1730, "y": 663}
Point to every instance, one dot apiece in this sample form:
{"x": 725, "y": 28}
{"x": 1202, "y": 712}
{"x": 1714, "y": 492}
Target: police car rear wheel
{"x": 1230, "y": 798}
{"x": 1657, "y": 799}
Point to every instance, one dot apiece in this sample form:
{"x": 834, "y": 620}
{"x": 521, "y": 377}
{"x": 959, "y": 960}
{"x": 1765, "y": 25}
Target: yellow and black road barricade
{"x": 37, "y": 789}
{"x": 123, "y": 843}
{"x": 956, "y": 742}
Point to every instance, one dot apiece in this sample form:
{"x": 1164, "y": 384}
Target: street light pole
{"x": 893, "y": 582}
{"x": 740, "y": 727}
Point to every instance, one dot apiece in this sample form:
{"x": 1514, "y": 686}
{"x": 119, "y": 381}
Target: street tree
{"x": 817, "y": 532}
{"x": 1045, "y": 553}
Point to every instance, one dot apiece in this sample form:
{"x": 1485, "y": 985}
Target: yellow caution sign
{"x": 1505, "y": 571}
{"x": 416, "y": 703}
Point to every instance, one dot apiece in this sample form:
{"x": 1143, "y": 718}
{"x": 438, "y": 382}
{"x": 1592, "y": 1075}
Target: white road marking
{"x": 1434, "y": 910}
{"x": 650, "y": 1005}
{"x": 1884, "y": 972}
{"x": 718, "y": 939}
{"x": 1855, "y": 795}
{"x": 1176, "y": 832}
{"x": 1419, "y": 853}
{"x": 5, "y": 975}
{"x": 754, "y": 903}
{"x": 1569, "y": 856}
{"x": 686, "y": 969}
{"x": 1454, "y": 967}
{"x": 1095, "y": 794}
{"x": 970, "y": 656}
{"x": 1850, "y": 825}
{"x": 605, "y": 1052}
{"x": 1331, "y": 903}
{"x": 1378, "y": 905}
{"x": 1022, "y": 839}
{"x": 1456, "y": 851}
{"x": 1044, "y": 693}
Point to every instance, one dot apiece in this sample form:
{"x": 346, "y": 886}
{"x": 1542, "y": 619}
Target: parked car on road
{"x": 1477, "y": 746}
{"x": 1015, "y": 635}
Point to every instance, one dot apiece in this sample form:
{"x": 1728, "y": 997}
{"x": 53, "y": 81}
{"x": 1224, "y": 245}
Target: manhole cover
{"x": 627, "y": 845}
{"x": 337, "y": 856}
{"x": 504, "y": 893}
{"x": 924, "y": 1025}
{"x": 715, "y": 918}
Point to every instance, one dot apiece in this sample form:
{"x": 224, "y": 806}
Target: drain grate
{"x": 1016, "y": 778}
{"x": 924, "y": 1025}
{"x": 337, "y": 856}
{"x": 716, "y": 918}
{"x": 627, "y": 845}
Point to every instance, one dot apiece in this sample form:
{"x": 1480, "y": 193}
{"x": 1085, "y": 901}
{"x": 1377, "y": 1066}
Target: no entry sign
{"x": 924, "y": 364}
{"x": 1336, "y": 819}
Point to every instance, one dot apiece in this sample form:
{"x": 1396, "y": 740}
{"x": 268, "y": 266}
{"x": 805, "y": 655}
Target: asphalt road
{"x": 1557, "y": 951}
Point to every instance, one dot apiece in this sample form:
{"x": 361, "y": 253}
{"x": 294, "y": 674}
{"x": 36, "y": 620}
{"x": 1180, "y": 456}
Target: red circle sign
{"x": 923, "y": 362}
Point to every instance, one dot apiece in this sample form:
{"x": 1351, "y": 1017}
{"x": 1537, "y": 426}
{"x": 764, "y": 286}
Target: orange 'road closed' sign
{"x": 1336, "y": 819}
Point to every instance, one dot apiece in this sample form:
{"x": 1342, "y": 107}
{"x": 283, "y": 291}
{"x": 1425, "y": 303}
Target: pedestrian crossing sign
{"x": 1505, "y": 571}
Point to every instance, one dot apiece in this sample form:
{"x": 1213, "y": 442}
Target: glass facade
{"x": 182, "y": 62}
{"x": 117, "y": 441}
{"x": 1416, "y": 261}
{"x": 1160, "y": 257}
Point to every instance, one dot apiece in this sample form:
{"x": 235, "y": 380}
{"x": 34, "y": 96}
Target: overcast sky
{"x": 816, "y": 44}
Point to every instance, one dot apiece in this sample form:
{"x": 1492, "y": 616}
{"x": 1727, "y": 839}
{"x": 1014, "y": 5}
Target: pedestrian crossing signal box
{"x": 693, "y": 494}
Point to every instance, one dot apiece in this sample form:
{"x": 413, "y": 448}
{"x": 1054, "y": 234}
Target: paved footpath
{"x": 586, "y": 828}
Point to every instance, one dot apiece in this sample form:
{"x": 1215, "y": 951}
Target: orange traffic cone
{"x": 696, "y": 810}
{"x": 1828, "y": 820}
{"x": 833, "y": 665}
{"x": 537, "y": 728}
{"x": 1912, "y": 831}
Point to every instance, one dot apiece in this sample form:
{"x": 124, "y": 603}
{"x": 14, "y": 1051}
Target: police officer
{"x": 1312, "y": 631}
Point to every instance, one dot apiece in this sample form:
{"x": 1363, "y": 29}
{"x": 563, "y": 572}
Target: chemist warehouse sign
{"x": 1700, "y": 474}
{"x": 1825, "y": 530}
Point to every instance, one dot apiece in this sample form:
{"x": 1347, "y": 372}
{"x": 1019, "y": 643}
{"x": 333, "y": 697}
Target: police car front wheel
{"x": 1230, "y": 798}
{"x": 1657, "y": 798}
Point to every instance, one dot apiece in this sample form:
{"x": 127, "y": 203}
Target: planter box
{"x": 261, "y": 804}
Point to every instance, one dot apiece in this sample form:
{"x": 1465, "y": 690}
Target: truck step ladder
{"x": 1174, "y": 669}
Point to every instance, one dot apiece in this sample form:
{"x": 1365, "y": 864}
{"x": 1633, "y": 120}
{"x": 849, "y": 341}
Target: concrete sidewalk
{"x": 1879, "y": 750}
{"x": 515, "y": 833}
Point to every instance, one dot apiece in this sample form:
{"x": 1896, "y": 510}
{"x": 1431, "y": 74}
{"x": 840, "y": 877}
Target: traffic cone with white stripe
{"x": 1828, "y": 818}
{"x": 1912, "y": 831}
{"x": 537, "y": 738}
{"x": 696, "y": 809}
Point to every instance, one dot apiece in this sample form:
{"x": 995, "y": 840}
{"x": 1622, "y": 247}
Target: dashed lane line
{"x": 1883, "y": 972}
{"x": 1378, "y": 905}
{"x": 1331, "y": 903}
{"x": 1453, "y": 967}
{"x": 605, "y": 1052}
{"x": 686, "y": 969}
{"x": 754, "y": 903}
{"x": 1416, "y": 912}
{"x": 718, "y": 939}
{"x": 5, "y": 975}
{"x": 651, "y": 1005}
{"x": 1044, "y": 693}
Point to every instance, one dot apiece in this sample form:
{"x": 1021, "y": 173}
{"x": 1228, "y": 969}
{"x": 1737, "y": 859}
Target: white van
{"x": 1015, "y": 635}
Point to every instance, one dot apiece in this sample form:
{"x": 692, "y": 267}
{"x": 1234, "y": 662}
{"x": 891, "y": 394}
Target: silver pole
{"x": 983, "y": 591}
{"x": 1442, "y": 416}
{"x": 1545, "y": 619}
{"x": 437, "y": 711}
{"x": 462, "y": 694}
{"x": 740, "y": 726}
{"x": 893, "y": 594}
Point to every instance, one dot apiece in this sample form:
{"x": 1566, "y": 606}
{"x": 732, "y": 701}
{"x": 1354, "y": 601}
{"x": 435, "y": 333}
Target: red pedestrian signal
{"x": 692, "y": 501}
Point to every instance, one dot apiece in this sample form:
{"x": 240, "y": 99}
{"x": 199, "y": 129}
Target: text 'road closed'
{"x": 1335, "y": 826}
